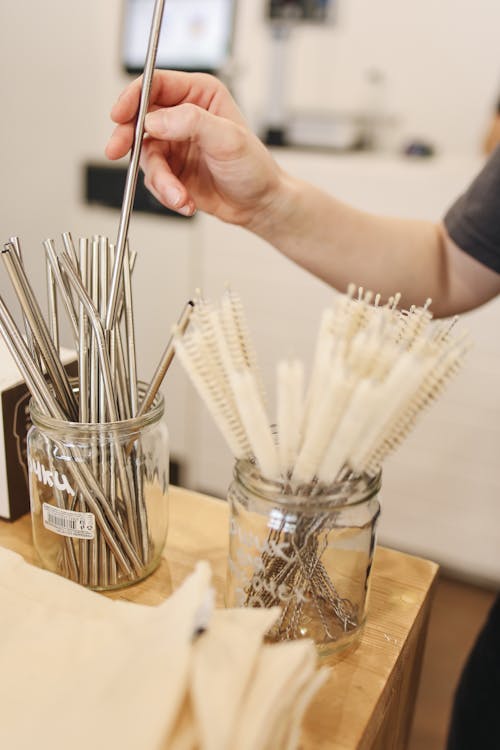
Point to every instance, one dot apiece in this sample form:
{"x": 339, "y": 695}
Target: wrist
{"x": 274, "y": 214}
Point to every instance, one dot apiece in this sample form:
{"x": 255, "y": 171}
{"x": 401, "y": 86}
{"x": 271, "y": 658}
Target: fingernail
{"x": 187, "y": 210}
{"x": 173, "y": 197}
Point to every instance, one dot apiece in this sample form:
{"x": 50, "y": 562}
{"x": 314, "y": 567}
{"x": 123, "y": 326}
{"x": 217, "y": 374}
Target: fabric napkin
{"x": 79, "y": 670}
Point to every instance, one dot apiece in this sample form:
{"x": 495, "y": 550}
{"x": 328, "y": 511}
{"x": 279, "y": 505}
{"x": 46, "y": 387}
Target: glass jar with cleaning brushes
{"x": 99, "y": 496}
{"x": 311, "y": 555}
{"x": 303, "y": 523}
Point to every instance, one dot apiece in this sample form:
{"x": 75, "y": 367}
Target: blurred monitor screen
{"x": 300, "y": 10}
{"x": 196, "y": 35}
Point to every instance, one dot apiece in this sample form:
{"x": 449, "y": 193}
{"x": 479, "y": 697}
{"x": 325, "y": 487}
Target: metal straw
{"x": 29, "y": 334}
{"x": 39, "y": 328}
{"x": 50, "y": 249}
{"x": 165, "y": 360}
{"x": 83, "y": 386}
{"x": 83, "y": 342}
{"x": 94, "y": 398}
{"x": 70, "y": 247}
{"x": 133, "y": 168}
{"x": 130, "y": 333}
{"x": 103, "y": 449}
{"x": 52, "y": 308}
{"x": 30, "y": 372}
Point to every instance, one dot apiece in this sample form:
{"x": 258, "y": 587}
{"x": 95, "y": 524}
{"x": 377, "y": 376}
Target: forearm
{"x": 341, "y": 244}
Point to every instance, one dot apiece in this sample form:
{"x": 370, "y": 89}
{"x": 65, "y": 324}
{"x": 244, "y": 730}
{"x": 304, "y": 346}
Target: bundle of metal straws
{"x": 111, "y": 486}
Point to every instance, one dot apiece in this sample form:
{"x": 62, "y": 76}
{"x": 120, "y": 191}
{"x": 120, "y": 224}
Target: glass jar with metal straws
{"x": 98, "y": 448}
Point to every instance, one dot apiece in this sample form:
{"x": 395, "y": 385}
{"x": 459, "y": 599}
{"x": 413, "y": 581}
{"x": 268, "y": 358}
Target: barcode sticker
{"x": 69, "y": 522}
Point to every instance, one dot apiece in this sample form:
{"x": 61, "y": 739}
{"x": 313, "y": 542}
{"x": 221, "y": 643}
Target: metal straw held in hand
{"x": 133, "y": 168}
{"x": 111, "y": 484}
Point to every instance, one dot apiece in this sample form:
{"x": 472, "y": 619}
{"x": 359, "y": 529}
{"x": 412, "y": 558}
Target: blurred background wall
{"x": 439, "y": 63}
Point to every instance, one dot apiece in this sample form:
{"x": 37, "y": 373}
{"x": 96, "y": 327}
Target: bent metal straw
{"x": 375, "y": 368}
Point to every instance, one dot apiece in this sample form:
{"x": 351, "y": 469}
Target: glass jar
{"x": 99, "y": 496}
{"x": 310, "y": 555}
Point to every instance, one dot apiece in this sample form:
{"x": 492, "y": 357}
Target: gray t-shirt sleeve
{"x": 473, "y": 221}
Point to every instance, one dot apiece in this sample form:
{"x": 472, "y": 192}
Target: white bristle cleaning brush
{"x": 289, "y": 408}
{"x": 375, "y": 368}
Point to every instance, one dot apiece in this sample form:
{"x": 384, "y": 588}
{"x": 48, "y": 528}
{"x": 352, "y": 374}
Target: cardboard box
{"x": 14, "y": 425}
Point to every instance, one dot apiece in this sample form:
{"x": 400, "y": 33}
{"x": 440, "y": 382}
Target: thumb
{"x": 217, "y": 136}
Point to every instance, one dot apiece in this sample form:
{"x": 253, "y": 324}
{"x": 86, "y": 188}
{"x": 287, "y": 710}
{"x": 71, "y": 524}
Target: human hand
{"x": 198, "y": 153}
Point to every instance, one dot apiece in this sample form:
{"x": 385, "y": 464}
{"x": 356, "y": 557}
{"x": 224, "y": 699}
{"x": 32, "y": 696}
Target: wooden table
{"x": 368, "y": 700}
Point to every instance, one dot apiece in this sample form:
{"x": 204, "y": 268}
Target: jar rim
{"x": 123, "y": 426}
{"x": 347, "y": 493}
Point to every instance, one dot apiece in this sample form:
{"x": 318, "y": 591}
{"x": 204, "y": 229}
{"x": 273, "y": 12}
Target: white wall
{"x": 59, "y": 68}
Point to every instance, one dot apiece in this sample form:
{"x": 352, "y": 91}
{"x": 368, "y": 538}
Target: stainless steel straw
{"x": 83, "y": 342}
{"x": 39, "y": 329}
{"x": 52, "y": 308}
{"x": 130, "y": 334}
{"x": 29, "y": 334}
{"x": 165, "y": 360}
{"x": 50, "y": 250}
{"x": 133, "y": 168}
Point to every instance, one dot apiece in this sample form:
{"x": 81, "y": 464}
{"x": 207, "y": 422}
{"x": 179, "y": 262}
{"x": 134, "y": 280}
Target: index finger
{"x": 168, "y": 88}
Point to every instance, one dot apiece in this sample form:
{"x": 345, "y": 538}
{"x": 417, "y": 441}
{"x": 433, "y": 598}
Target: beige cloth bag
{"x": 79, "y": 670}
